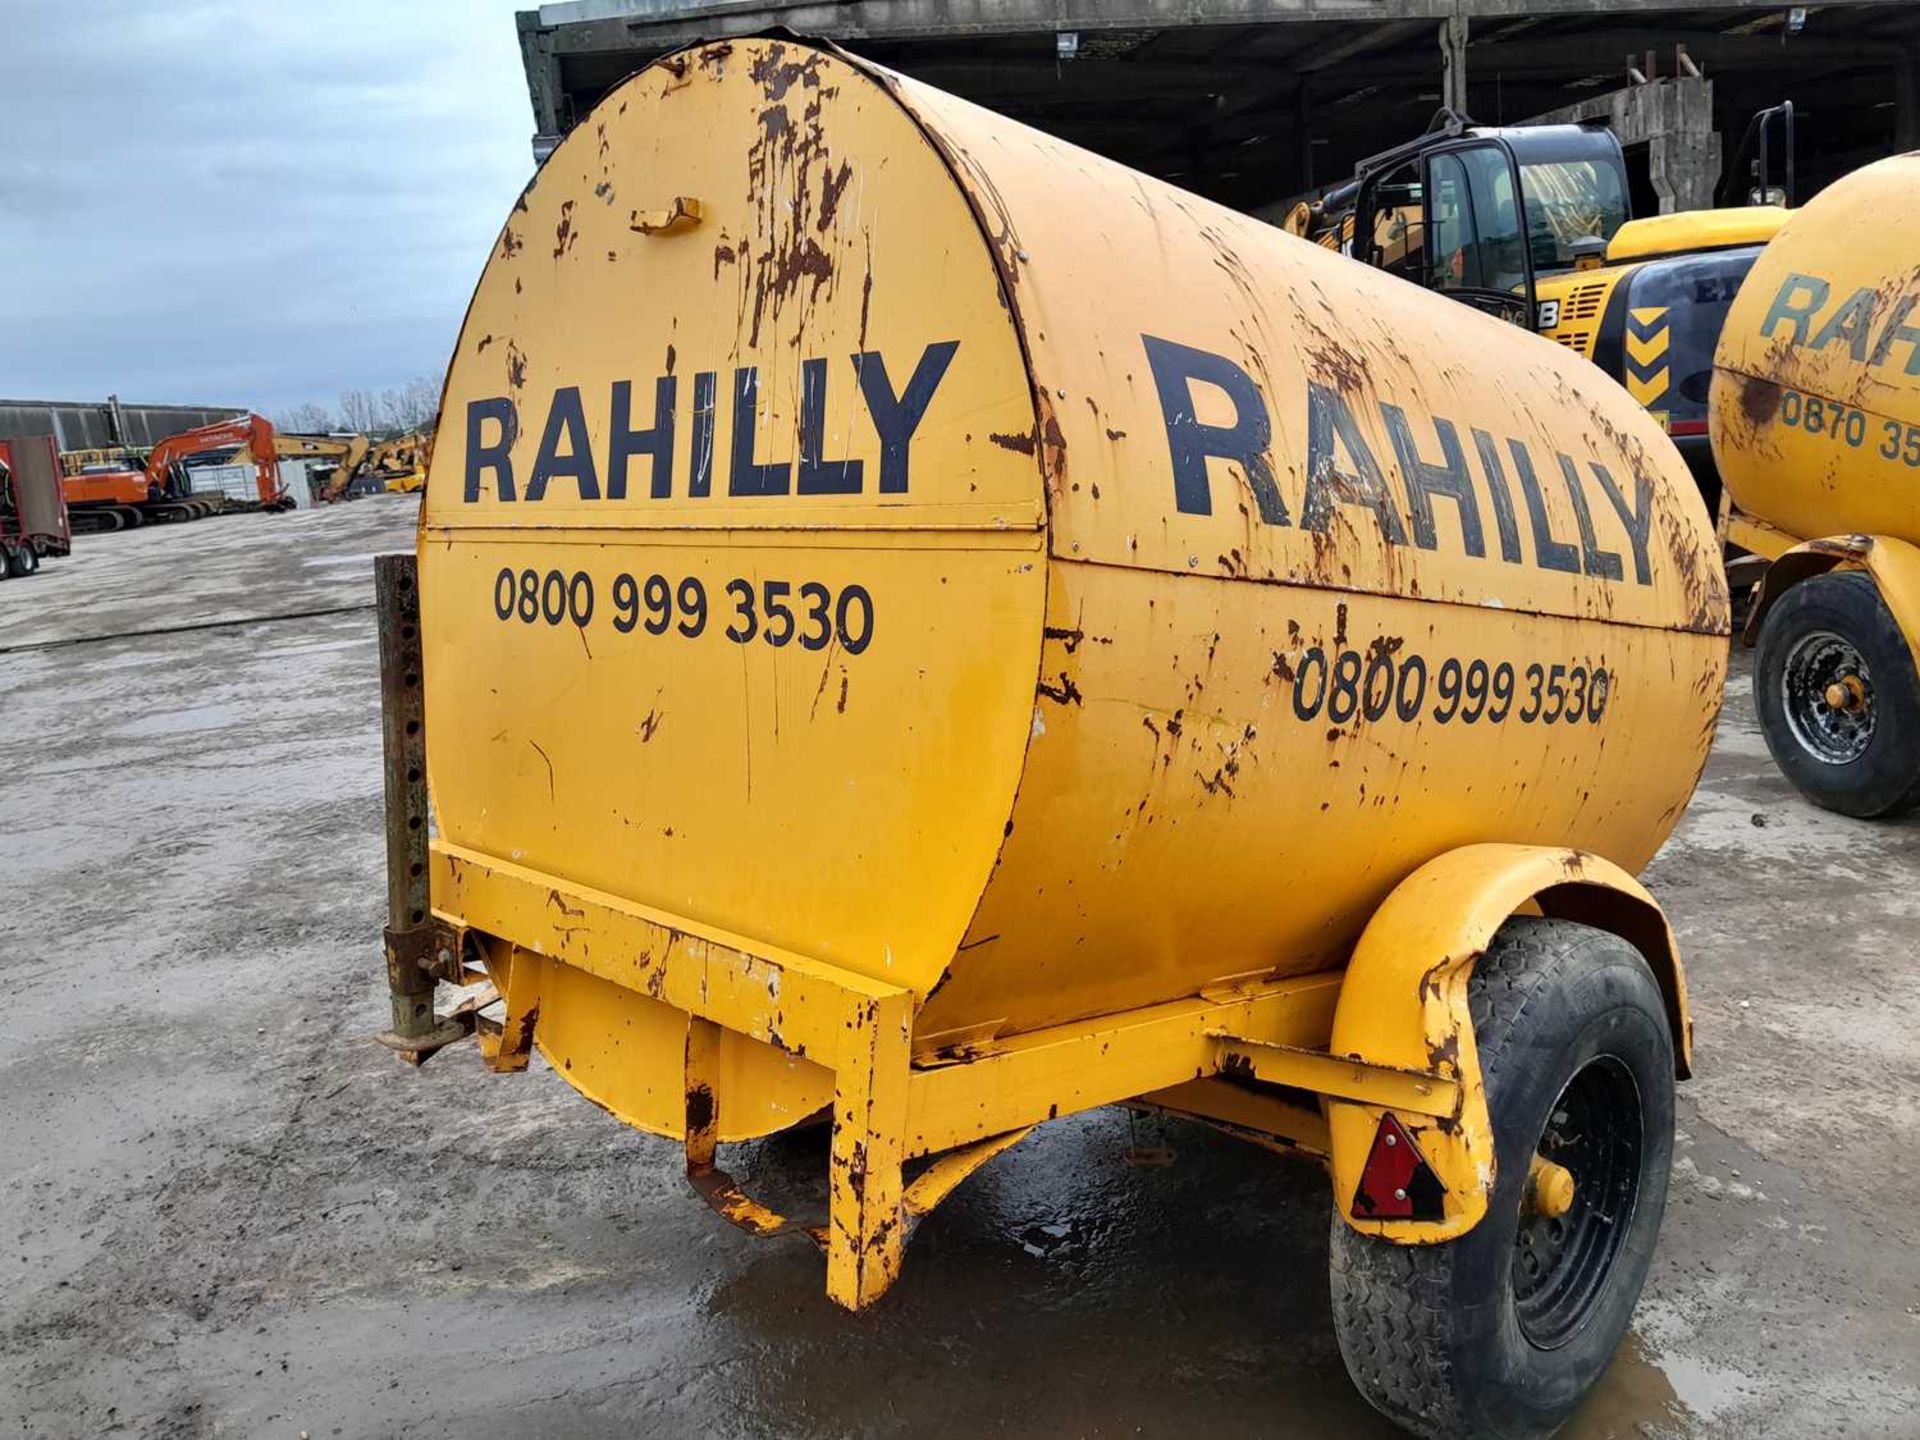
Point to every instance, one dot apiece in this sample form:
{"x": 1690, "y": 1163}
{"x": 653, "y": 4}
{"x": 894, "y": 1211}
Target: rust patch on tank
{"x": 1055, "y": 441}
{"x": 833, "y": 186}
{"x": 1065, "y": 693}
{"x": 700, "y": 1108}
{"x": 1333, "y": 360}
{"x": 866, "y": 294}
{"x": 1759, "y": 400}
{"x": 787, "y": 176}
{"x": 516, "y": 366}
{"x": 776, "y": 75}
{"x": 1217, "y": 784}
{"x": 805, "y": 261}
{"x": 563, "y": 233}
{"x": 1022, "y": 444}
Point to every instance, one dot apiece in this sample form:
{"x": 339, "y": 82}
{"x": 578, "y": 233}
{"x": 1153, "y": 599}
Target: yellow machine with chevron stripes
{"x": 1652, "y": 313}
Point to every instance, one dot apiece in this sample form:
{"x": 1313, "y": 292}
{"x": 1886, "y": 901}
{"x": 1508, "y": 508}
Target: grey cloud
{"x": 248, "y": 202}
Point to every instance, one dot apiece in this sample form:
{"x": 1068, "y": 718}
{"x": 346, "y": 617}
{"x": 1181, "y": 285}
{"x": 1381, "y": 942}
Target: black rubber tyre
{"x": 1477, "y": 1339}
{"x": 27, "y": 561}
{"x": 1863, "y": 757}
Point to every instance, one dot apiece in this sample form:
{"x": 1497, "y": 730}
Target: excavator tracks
{"x": 102, "y": 519}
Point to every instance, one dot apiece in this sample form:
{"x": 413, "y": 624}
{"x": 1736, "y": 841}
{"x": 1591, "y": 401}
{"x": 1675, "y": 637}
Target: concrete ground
{"x": 223, "y": 1211}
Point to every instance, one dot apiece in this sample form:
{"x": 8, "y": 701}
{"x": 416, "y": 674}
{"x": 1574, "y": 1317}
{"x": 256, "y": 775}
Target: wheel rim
{"x": 1561, "y": 1262}
{"x": 1826, "y": 693}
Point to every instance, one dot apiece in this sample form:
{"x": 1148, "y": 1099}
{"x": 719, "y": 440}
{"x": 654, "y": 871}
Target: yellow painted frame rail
{"x": 886, "y": 1109}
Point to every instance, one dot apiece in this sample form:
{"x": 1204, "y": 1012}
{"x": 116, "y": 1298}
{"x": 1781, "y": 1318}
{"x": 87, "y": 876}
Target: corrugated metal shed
{"x": 90, "y": 425}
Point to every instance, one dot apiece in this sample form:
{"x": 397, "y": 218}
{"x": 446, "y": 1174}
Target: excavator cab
{"x": 1448, "y": 219}
{"x": 1479, "y": 213}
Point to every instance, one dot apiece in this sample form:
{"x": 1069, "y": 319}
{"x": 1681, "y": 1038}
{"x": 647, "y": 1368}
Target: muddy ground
{"x": 223, "y": 1211}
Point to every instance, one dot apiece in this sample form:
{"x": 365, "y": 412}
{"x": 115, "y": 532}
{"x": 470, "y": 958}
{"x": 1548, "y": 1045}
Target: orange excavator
{"x": 116, "y": 496}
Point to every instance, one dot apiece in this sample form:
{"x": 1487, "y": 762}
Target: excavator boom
{"x": 251, "y": 433}
{"x": 348, "y": 452}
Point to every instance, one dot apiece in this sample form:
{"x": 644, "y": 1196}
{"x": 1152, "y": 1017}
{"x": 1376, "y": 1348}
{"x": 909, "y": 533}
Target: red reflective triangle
{"x": 1397, "y": 1183}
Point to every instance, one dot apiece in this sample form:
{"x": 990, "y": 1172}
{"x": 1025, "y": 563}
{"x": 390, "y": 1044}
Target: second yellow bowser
{"x": 1815, "y": 425}
{"x": 918, "y": 622}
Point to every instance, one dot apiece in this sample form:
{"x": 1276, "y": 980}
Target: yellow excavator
{"x": 347, "y": 452}
{"x": 401, "y": 462}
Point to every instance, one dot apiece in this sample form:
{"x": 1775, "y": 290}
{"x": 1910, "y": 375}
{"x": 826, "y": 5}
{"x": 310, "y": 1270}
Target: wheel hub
{"x": 1550, "y": 1188}
{"x": 1847, "y": 693}
{"x": 1827, "y": 697}
{"x": 1578, "y": 1203}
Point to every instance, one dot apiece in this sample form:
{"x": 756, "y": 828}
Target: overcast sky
{"x": 248, "y": 202}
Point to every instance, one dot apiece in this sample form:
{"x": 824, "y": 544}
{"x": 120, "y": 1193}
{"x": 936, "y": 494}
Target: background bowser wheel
{"x": 1838, "y": 696}
{"x": 1501, "y": 1333}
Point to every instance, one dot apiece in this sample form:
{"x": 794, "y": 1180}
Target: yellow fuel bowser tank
{"x": 1815, "y": 426}
{"x": 917, "y": 623}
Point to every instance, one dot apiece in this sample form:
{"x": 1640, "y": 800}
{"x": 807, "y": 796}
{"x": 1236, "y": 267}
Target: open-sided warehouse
{"x": 1250, "y": 103}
